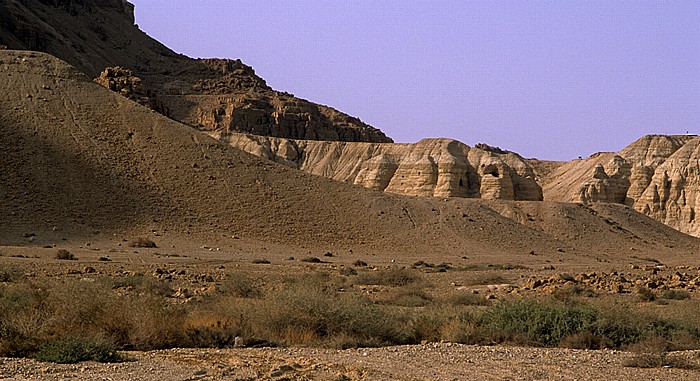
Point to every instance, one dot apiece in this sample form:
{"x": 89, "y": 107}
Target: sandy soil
{"x": 438, "y": 361}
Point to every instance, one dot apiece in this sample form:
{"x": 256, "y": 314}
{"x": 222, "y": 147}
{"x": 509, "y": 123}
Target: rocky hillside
{"x": 656, "y": 175}
{"x": 431, "y": 167}
{"x": 79, "y": 158}
{"x": 211, "y": 94}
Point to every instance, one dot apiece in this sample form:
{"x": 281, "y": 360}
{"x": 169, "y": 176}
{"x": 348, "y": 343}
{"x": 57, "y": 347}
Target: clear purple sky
{"x": 547, "y": 79}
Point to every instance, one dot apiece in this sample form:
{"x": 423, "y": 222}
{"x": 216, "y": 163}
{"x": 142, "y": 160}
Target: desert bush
{"x": 463, "y": 329}
{"x": 409, "y": 297}
{"x": 359, "y": 263}
{"x": 537, "y": 322}
{"x": 73, "y": 349}
{"x": 655, "y": 352}
{"x": 645, "y": 294}
{"x": 240, "y": 285}
{"x": 216, "y": 327}
{"x": 438, "y": 323}
{"x": 142, "y": 242}
{"x": 261, "y": 261}
{"x": 569, "y": 291}
{"x": 10, "y": 275}
{"x": 153, "y": 323}
{"x": 311, "y": 260}
{"x": 393, "y": 276}
{"x": 465, "y": 299}
{"x": 585, "y": 340}
{"x": 64, "y": 254}
{"x": 675, "y": 295}
{"x": 309, "y": 311}
{"x": 23, "y": 319}
{"x": 347, "y": 271}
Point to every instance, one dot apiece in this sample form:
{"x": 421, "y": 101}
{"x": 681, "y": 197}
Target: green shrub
{"x": 74, "y": 349}
{"x": 538, "y": 323}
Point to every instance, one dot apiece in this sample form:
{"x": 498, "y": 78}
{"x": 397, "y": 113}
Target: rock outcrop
{"x": 124, "y": 82}
{"x": 431, "y": 167}
{"x": 657, "y": 175}
{"x": 673, "y": 194}
{"x": 209, "y": 94}
{"x": 607, "y": 188}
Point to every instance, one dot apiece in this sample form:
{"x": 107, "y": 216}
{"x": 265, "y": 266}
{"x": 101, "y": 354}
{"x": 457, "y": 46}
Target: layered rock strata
{"x": 431, "y": 167}
{"x": 656, "y": 175}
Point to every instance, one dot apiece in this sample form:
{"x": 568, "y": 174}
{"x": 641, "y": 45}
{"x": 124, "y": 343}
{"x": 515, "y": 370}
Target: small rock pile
{"x": 126, "y": 83}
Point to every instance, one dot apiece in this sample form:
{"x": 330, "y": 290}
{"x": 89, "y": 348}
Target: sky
{"x": 553, "y": 80}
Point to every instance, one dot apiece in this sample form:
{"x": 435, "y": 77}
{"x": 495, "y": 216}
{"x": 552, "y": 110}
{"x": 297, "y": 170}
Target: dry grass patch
{"x": 64, "y": 254}
{"x": 407, "y": 297}
{"x": 392, "y": 276}
{"x": 655, "y": 352}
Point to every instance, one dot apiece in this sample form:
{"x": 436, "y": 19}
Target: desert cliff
{"x": 431, "y": 167}
{"x": 656, "y": 175}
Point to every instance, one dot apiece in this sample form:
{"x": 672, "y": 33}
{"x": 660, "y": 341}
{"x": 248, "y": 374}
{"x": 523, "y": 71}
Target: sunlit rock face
{"x": 431, "y": 167}
{"x": 656, "y": 175}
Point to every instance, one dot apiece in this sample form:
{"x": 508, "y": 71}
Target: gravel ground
{"x": 441, "y": 361}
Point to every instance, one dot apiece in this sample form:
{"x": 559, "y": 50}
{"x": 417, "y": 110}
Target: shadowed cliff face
{"x": 209, "y": 94}
{"x": 431, "y": 167}
{"x": 657, "y": 175}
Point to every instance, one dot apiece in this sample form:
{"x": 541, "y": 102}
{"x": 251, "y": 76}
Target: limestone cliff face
{"x": 673, "y": 194}
{"x": 656, "y": 175}
{"x": 431, "y": 167}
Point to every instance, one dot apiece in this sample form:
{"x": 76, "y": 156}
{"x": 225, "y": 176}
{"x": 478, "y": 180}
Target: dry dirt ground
{"x": 430, "y": 361}
{"x": 434, "y": 361}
